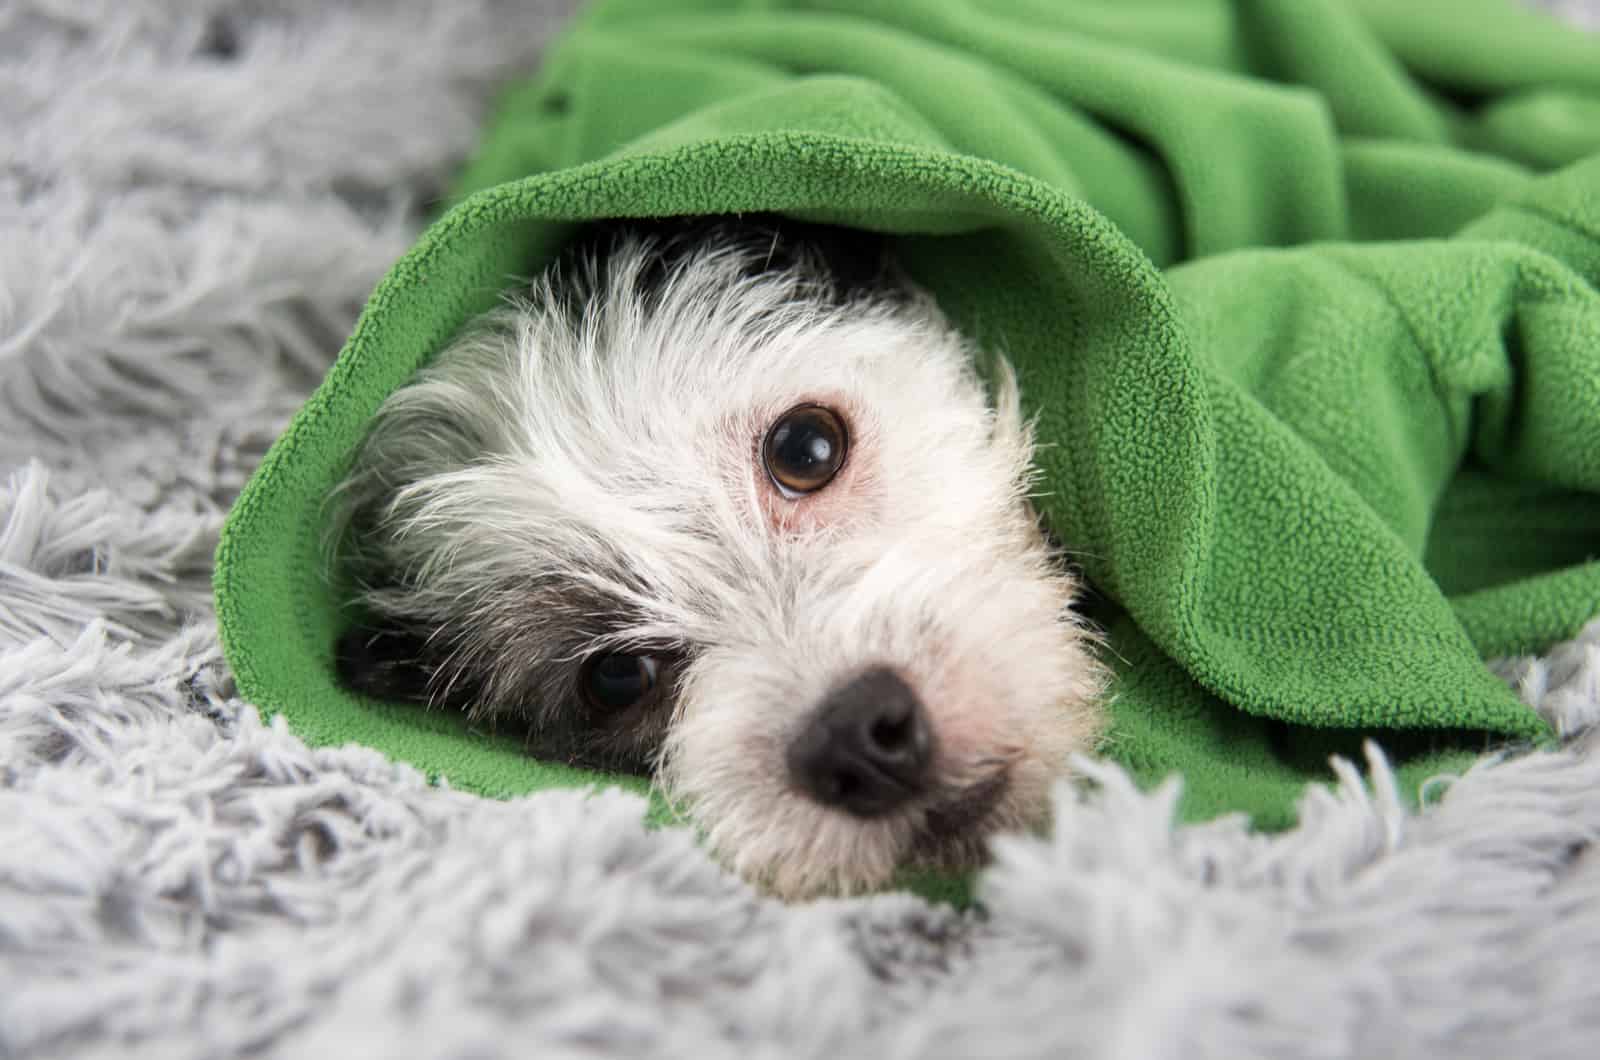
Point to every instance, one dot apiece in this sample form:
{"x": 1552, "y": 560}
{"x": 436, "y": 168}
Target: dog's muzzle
{"x": 867, "y": 748}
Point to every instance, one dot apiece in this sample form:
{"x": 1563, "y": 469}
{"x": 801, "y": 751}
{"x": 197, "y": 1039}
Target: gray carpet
{"x": 194, "y": 199}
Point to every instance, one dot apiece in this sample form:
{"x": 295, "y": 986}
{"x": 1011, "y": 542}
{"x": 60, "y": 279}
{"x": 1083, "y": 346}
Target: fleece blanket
{"x": 1316, "y": 470}
{"x": 195, "y": 200}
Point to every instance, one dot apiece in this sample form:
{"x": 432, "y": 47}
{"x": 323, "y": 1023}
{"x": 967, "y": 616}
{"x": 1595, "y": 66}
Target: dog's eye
{"x": 805, "y": 449}
{"x": 616, "y": 682}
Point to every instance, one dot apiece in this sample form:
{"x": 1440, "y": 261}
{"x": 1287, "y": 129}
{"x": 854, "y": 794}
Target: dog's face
{"x": 771, "y": 542}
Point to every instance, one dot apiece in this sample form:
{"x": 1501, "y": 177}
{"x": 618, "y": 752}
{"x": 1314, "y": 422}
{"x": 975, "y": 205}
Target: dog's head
{"x": 701, "y": 507}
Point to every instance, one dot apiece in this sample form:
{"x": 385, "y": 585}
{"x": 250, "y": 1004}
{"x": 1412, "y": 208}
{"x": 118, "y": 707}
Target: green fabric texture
{"x": 1303, "y": 293}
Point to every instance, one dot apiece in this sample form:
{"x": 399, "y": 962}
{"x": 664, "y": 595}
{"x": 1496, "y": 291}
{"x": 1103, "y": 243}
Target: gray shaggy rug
{"x": 194, "y": 199}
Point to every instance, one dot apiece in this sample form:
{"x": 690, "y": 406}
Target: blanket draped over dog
{"x": 1302, "y": 292}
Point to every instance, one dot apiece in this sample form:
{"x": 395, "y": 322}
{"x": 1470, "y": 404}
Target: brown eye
{"x": 615, "y": 682}
{"x": 805, "y": 449}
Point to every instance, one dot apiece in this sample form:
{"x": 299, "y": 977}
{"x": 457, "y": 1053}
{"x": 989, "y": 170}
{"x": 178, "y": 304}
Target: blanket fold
{"x": 1305, "y": 295}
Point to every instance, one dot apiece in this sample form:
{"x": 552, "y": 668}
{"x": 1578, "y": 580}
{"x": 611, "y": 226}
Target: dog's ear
{"x": 385, "y": 661}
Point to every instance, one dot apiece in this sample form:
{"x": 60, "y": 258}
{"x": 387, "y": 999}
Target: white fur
{"x": 618, "y": 448}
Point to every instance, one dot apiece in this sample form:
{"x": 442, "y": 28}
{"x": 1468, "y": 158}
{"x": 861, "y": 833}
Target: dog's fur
{"x": 582, "y": 473}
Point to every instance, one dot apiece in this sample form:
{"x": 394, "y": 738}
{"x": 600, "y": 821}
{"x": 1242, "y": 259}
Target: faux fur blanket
{"x": 194, "y": 201}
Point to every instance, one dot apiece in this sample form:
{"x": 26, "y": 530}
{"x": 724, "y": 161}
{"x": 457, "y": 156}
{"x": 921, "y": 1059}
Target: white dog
{"x": 726, "y": 502}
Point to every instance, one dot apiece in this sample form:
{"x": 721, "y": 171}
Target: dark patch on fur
{"x": 512, "y": 664}
{"x": 384, "y": 662}
{"x": 851, "y": 262}
{"x": 221, "y": 39}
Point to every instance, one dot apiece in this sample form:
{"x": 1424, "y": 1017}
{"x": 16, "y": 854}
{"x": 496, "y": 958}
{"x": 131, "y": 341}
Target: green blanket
{"x": 1304, "y": 293}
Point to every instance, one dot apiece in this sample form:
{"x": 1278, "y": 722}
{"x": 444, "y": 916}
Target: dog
{"x": 726, "y": 501}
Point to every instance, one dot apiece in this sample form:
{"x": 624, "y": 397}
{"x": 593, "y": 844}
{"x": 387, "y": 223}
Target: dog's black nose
{"x": 867, "y": 748}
